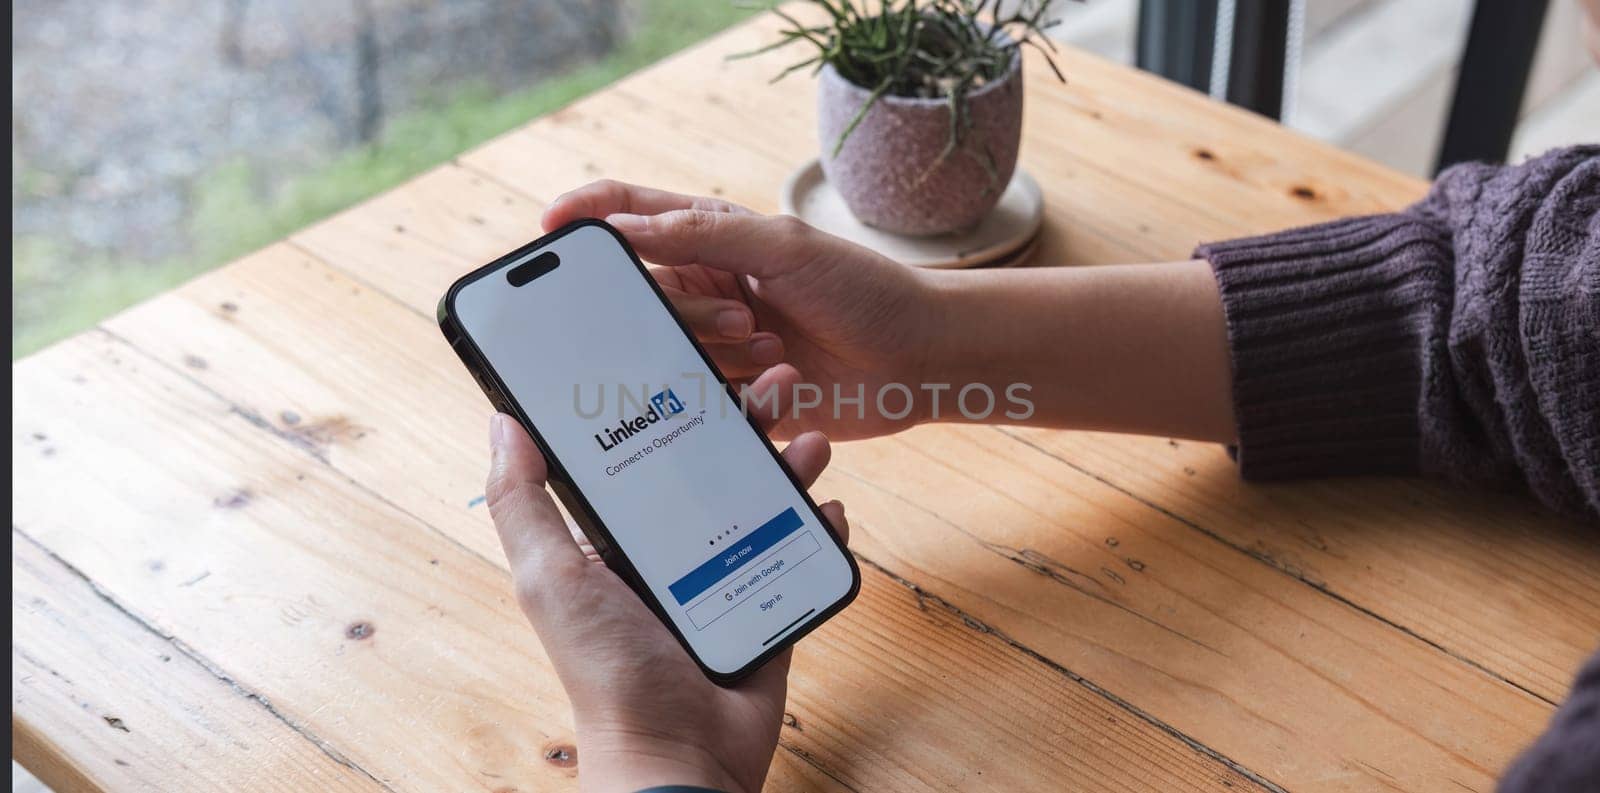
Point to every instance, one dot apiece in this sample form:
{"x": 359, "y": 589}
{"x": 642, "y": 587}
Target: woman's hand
{"x": 645, "y": 714}
{"x": 758, "y": 290}
{"x": 1119, "y": 348}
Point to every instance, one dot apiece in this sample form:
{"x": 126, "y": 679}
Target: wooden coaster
{"x": 1003, "y": 238}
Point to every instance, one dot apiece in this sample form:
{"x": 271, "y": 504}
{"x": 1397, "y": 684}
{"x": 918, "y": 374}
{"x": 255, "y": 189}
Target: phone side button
{"x": 497, "y": 398}
{"x": 499, "y": 401}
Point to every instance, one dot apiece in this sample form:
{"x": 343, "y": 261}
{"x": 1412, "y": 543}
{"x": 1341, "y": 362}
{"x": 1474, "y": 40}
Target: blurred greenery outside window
{"x": 63, "y": 282}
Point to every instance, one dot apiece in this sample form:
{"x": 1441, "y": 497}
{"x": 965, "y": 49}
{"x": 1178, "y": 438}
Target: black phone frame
{"x": 565, "y": 489}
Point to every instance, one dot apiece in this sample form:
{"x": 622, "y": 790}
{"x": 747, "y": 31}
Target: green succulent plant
{"x": 919, "y": 48}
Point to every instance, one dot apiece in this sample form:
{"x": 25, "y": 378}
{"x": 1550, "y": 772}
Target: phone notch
{"x": 524, "y": 273}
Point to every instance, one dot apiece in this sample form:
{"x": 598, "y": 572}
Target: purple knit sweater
{"x": 1459, "y": 338}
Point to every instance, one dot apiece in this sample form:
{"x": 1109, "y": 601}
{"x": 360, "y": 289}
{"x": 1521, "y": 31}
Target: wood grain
{"x": 313, "y": 594}
{"x": 396, "y": 644}
{"x": 1300, "y": 688}
{"x": 285, "y": 462}
{"x": 102, "y": 701}
{"x": 1133, "y": 167}
{"x": 1155, "y": 637}
{"x": 1156, "y": 168}
{"x": 1487, "y": 578}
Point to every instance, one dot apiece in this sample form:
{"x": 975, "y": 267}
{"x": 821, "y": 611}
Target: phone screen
{"x": 734, "y": 554}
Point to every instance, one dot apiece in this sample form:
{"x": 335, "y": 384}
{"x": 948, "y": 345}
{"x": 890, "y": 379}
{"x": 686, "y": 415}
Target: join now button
{"x": 736, "y": 557}
{"x": 755, "y": 578}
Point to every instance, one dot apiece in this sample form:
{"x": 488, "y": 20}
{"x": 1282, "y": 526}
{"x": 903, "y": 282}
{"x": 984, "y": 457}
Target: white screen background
{"x": 595, "y": 322}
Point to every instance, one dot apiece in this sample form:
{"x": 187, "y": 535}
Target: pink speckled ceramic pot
{"x": 882, "y": 171}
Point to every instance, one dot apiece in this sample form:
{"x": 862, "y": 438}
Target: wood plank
{"x": 903, "y": 675}
{"x": 1145, "y": 122}
{"x": 1380, "y": 552}
{"x": 1161, "y": 646}
{"x": 1306, "y": 691}
{"x": 1251, "y": 177}
{"x": 1313, "y": 693}
{"x": 1408, "y": 551}
{"x": 596, "y": 139}
{"x": 1537, "y": 651}
{"x": 1113, "y": 137}
{"x": 340, "y": 321}
{"x": 449, "y": 221}
{"x": 448, "y": 686}
{"x": 344, "y": 372}
{"x": 127, "y": 705}
{"x": 359, "y": 624}
{"x": 630, "y": 150}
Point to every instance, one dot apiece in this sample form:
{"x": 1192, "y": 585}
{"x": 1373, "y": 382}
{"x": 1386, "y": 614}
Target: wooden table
{"x": 250, "y": 552}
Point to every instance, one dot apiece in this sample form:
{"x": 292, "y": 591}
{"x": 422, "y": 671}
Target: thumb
{"x": 538, "y": 545}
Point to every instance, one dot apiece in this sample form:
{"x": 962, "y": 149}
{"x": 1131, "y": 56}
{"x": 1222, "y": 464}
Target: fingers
{"x": 713, "y": 319}
{"x": 608, "y": 197}
{"x": 765, "y": 398}
{"x": 834, "y": 512}
{"x": 537, "y": 542}
{"x": 745, "y": 359}
{"x": 735, "y": 243}
{"x": 807, "y": 456}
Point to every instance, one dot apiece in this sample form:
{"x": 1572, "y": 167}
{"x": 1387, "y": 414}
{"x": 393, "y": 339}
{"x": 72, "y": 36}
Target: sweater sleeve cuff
{"x": 1326, "y": 327}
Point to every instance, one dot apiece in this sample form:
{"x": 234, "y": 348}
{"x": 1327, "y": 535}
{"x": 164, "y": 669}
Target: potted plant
{"x": 919, "y": 104}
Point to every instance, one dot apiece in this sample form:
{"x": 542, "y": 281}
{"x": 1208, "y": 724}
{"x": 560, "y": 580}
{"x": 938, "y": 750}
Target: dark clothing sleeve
{"x": 1566, "y": 759}
{"x": 1459, "y": 338}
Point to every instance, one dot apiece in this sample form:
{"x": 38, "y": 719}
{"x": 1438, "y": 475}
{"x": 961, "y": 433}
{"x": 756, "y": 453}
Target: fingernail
{"x": 497, "y": 431}
{"x": 766, "y": 352}
{"x": 625, "y": 222}
{"x": 733, "y": 324}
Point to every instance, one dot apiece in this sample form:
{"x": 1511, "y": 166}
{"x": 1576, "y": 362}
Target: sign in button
{"x": 754, "y": 579}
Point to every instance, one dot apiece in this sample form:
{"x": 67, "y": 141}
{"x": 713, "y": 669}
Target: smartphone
{"x": 674, "y": 484}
